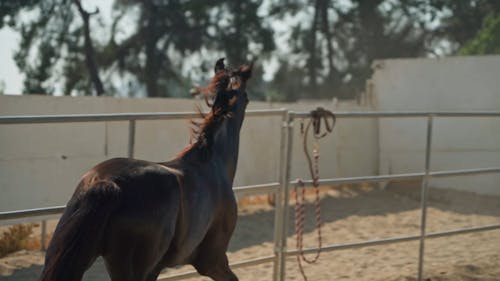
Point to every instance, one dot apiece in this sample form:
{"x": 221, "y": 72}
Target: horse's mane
{"x": 203, "y": 131}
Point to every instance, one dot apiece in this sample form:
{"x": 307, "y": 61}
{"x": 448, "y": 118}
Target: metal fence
{"x": 282, "y": 186}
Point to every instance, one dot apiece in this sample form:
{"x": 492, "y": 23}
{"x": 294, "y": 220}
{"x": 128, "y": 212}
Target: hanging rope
{"x": 329, "y": 119}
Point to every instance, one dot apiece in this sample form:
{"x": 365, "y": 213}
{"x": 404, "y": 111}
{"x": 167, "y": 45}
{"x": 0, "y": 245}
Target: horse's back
{"x": 123, "y": 209}
{"x": 148, "y": 191}
{"x": 142, "y": 225}
{"x": 128, "y": 170}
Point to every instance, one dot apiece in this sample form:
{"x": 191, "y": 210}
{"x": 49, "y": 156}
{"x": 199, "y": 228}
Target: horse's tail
{"x": 77, "y": 240}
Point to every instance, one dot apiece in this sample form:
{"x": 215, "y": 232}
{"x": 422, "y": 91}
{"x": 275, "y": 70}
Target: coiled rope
{"x": 329, "y": 119}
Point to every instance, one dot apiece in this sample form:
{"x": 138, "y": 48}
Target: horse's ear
{"x": 245, "y": 71}
{"x": 219, "y": 65}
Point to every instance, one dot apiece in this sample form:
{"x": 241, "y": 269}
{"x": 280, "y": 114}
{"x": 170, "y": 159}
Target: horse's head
{"x": 228, "y": 88}
{"x": 226, "y": 95}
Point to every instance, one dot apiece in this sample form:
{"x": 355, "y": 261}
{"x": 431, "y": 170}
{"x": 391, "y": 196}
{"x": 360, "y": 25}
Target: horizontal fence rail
{"x": 69, "y": 118}
{"x": 241, "y": 190}
{"x": 32, "y": 213}
{"x": 399, "y": 177}
{"x": 32, "y": 119}
{"x": 281, "y": 188}
{"x": 423, "y": 176}
{"x": 408, "y": 114}
{"x": 393, "y": 240}
{"x": 193, "y": 273}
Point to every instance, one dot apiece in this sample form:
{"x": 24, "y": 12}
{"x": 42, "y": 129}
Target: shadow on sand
{"x": 257, "y": 227}
{"x": 96, "y": 273}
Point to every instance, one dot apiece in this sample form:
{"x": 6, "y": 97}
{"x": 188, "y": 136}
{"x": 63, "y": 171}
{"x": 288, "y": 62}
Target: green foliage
{"x": 288, "y": 83}
{"x": 168, "y": 31}
{"x": 160, "y": 48}
{"x": 9, "y": 10}
{"x": 463, "y": 18}
{"x": 336, "y": 44}
{"x": 47, "y": 34}
{"x": 487, "y": 40}
{"x": 151, "y": 56}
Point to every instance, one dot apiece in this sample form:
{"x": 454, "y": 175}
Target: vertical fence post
{"x": 424, "y": 195}
{"x": 285, "y": 194}
{"x": 131, "y": 138}
{"x": 278, "y": 197}
{"x": 44, "y": 235}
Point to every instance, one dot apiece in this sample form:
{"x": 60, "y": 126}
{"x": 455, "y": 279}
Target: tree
{"x": 487, "y": 40}
{"x": 92, "y": 67}
{"x": 166, "y": 40}
{"x": 169, "y": 31}
{"x": 8, "y": 10}
{"x": 462, "y": 19}
{"x": 55, "y": 38}
{"x": 335, "y": 42}
{"x": 160, "y": 48}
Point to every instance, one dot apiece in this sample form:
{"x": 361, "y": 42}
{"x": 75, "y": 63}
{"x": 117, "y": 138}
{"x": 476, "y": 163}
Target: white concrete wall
{"x": 40, "y": 164}
{"x": 449, "y": 84}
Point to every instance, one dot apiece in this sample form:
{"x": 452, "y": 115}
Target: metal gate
{"x": 282, "y": 186}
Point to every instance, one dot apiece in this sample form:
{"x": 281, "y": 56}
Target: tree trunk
{"x": 312, "y": 61}
{"x": 89, "y": 50}
{"x": 333, "y": 73}
{"x": 152, "y": 58}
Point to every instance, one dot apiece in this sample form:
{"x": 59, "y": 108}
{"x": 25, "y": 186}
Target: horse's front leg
{"x": 211, "y": 259}
{"x": 216, "y": 268}
{"x": 153, "y": 275}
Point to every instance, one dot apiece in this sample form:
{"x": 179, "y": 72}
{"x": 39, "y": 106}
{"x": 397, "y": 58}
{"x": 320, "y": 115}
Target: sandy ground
{"x": 353, "y": 215}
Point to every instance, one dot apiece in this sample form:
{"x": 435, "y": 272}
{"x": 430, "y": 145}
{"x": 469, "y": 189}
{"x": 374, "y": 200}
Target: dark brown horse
{"x": 142, "y": 217}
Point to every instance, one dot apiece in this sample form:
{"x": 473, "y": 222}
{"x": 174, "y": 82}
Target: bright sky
{"x": 13, "y": 79}
{"x": 9, "y": 73}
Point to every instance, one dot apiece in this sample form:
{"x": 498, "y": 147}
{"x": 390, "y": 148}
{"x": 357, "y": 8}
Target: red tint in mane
{"x": 220, "y": 85}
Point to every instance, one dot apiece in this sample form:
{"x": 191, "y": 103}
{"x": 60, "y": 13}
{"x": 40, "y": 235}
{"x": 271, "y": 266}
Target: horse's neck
{"x": 224, "y": 147}
{"x": 226, "y": 144}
